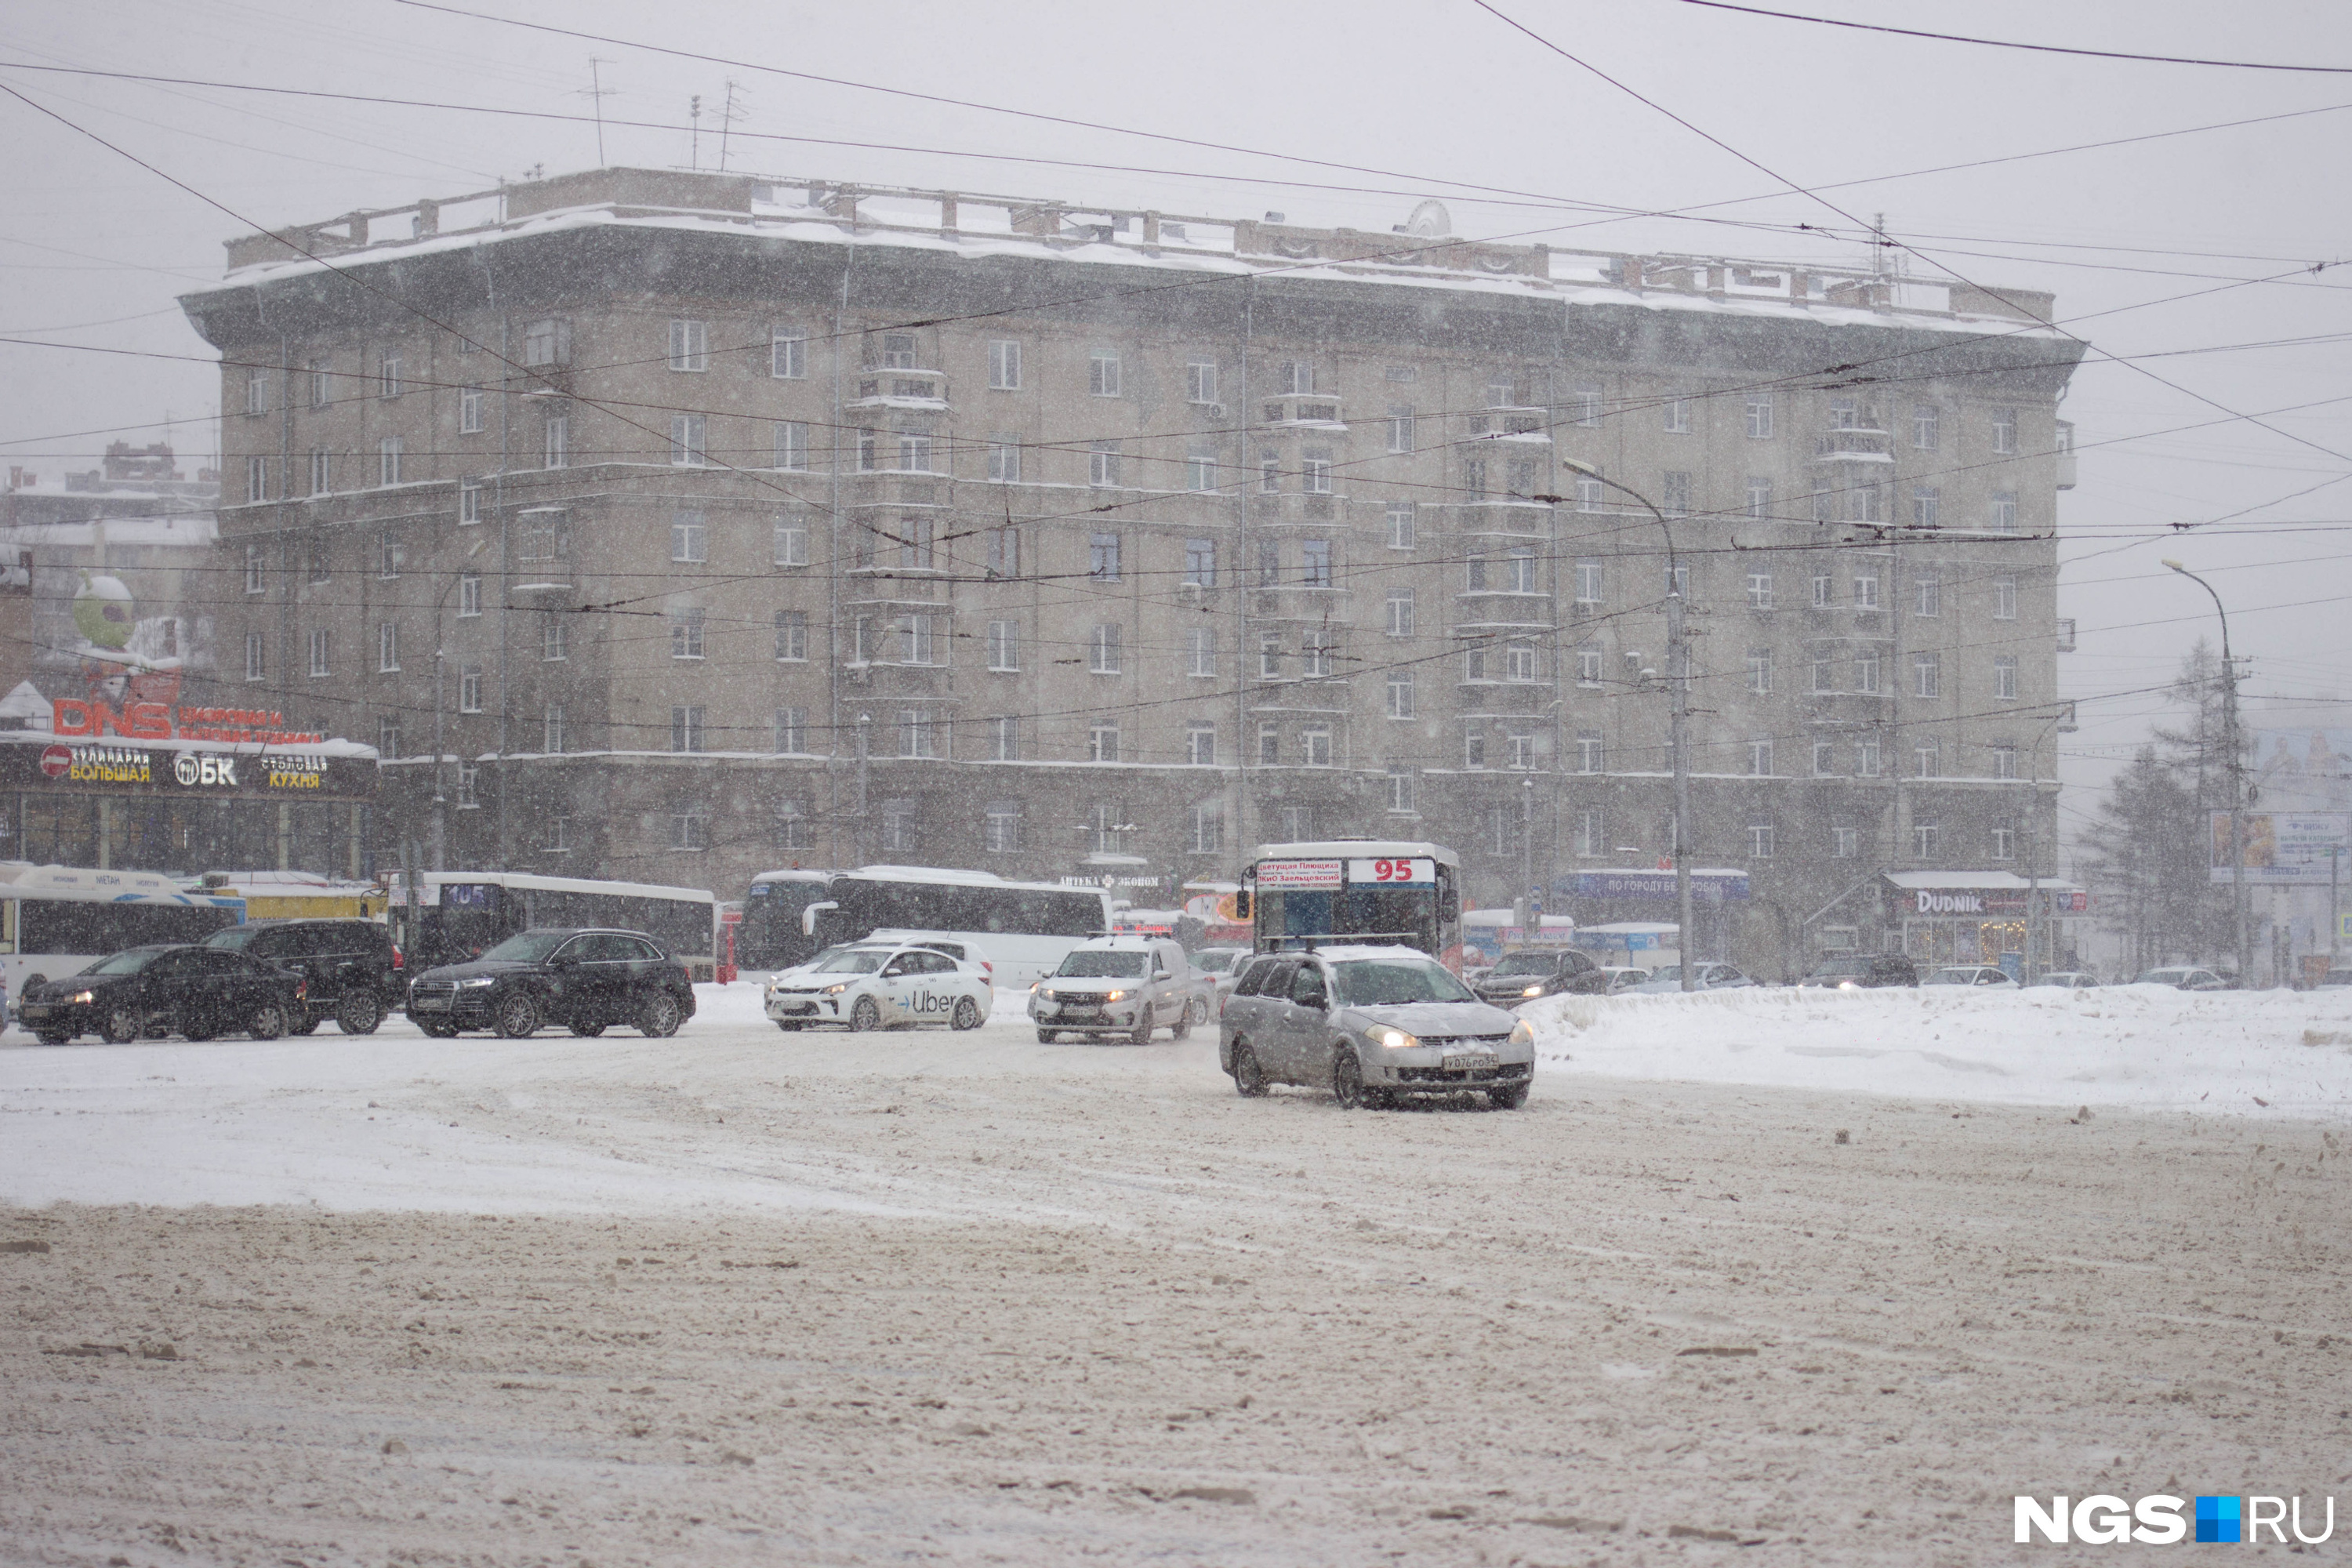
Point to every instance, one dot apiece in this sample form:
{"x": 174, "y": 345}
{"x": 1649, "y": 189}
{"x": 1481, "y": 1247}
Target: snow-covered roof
{"x": 1976, "y": 881}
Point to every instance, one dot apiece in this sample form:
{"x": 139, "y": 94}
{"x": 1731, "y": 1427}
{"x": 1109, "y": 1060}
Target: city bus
{"x": 462, "y": 914}
{"x": 772, "y": 936}
{"x": 1404, "y": 891}
{"x": 1022, "y": 929}
{"x": 55, "y": 920}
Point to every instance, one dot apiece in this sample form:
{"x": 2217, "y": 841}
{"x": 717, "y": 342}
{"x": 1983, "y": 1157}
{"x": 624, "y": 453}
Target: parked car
{"x": 586, "y": 980}
{"x": 353, "y": 971}
{"x": 879, "y": 984}
{"x": 1971, "y": 975}
{"x": 1534, "y": 972}
{"x": 1862, "y": 970}
{"x": 1710, "y": 977}
{"x": 1624, "y": 977}
{"x": 2333, "y": 979}
{"x": 2182, "y": 977}
{"x": 1126, "y": 985}
{"x": 1372, "y": 1025}
{"x": 1223, "y": 966}
{"x": 184, "y": 989}
{"x": 2069, "y": 979}
{"x": 962, "y": 952}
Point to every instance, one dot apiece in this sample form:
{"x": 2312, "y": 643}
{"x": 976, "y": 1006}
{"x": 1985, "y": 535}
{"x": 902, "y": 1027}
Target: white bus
{"x": 54, "y": 921}
{"x": 461, "y": 914}
{"x": 1024, "y": 929}
{"x": 1370, "y": 890}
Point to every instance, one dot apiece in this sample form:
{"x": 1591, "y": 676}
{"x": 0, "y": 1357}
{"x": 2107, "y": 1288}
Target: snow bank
{"x": 2278, "y": 1052}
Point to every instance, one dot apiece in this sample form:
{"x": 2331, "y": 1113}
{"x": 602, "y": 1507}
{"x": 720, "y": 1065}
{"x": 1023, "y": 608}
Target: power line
{"x": 2013, "y": 44}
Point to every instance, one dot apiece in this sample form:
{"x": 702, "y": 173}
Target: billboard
{"x": 2282, "y": 848}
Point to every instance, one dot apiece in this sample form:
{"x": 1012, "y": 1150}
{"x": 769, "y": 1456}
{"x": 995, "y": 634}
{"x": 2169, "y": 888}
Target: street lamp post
{"x": 1678, "y": 664}
{"x": 865, "y": 724}
{"x": 2237, "y": 781}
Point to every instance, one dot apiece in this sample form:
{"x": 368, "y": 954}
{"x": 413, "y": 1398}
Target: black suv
{"x": 1534, "y": 972}
{"x": 352, "y": 966}
{"x": 586, "y": 980}
{"x": 1864, "y": 972}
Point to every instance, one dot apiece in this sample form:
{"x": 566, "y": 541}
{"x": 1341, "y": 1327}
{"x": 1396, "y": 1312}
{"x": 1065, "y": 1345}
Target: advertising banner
{"x": 2283, "y": 850}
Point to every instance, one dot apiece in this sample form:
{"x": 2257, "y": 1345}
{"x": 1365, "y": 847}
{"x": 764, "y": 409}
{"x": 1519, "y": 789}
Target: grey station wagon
{"x": 1372, "y": 1025}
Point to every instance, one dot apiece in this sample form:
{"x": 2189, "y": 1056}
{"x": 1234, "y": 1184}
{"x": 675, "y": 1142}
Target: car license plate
{"x": 33, "y": 1010}
{"x": 1083, "y": 1015}
{"x": 1468, "y": 1062}
{"x": 796, "y": 1007}
{"x": 429, "y": 1005}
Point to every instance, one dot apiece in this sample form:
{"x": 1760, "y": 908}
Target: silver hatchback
{"x": 1373, "y": 1025}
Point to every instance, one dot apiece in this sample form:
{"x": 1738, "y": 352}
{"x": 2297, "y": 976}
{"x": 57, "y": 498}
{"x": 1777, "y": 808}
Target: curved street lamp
{"x": 2237, "y": 781}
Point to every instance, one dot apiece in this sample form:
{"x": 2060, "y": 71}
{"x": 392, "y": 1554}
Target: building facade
{"x": 761, "y": 523}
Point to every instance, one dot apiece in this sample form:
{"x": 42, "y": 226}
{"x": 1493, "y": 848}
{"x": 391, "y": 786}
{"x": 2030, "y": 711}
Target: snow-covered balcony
{"x": 902, "y": 391}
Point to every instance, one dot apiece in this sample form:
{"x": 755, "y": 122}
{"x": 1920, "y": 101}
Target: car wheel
{"x": 1048, "y": 1036}
{"x": 1185, "y": 1020}
{"x": 1348, "y": 1079}
{"x": 586, "y": 1027}
{"x": 1249, "y": 1077}
{"x": 967, "y": 1014}
{"x": 1142, "y": 1032}
{"x": 50, "y": 1036}
{"x": 359, "y": 1013}
{"x": 1509, "y": 1099}
{"x": 659, "y": 1020}
{"x": 788, "y": 1028}
{"x": 122, "y": 1026}
{"x": 269, "y": 1022}
{"x": 518, "y": 1015}
{"x": 866, "y": 1015}
{"x": 439, "y": 1031}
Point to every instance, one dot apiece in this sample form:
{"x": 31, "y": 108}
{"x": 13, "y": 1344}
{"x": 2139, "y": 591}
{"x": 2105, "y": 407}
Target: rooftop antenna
{"x": 694, "y": 133}
{"x": 596, "y": 93}
{"x": 727, "y": 119}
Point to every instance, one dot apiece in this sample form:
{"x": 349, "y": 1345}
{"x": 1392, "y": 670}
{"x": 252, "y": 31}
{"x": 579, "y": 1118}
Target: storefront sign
{"x": 1928, "y": 903}
{"x": 157, "y": 722}
{"x": 1706, "y": 888}
{"x": 103, "y": 768}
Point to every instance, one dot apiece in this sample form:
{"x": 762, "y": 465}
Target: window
{"x": 1270, "y": 745}
{"x": 319, "y": 651}
{"x": 686, "y": 634}
{"x": 1295, "y": 378}
{"x": 1269, "y": 471}
{"x": 1923, "y": 840}
{"x": 1474, "y": 750}
{"x": 1400, "y": 790}
{"x": 1103, "y": 650}
{"x": 469, "y": 783}
{"x": 1199, "y": 382}
{"x": 1399, "y": 611}
{"x": 1001, "y": 827}
{"x": 689, "y": 537}
{"x": 2003, "y": 518}
{"x": 320, "y": 395}
{"x": 257, "y": 575}
{"x": 1102, "y": 557}
{"x": 1760, "y": 497}
{"x": 1004, "y": 740}
{"x": 1269, "y": 656}
{"x": 388, "y": 452}
{"x": 1519, "y": 571}
{"x": 1760, "y": 416}
{"x": 387, "y": 375}
{"x": 1004, "y": 646}
{"x": 794, "y": 829}
{"x": 2004, "y": 430}
{"x": 1591, "y": 831}
{"x": 898, "y": 351}
{"x": 1927, "y": 675}
{"x": 2004, "y": 679}
{"x": 257, "y": 479}
{"x": 321, "y": 560}
{"x": 1824, "y": 671}
{"x": 690, "y": 345}
{"x": 1677, "y": 415}
{"x": 1315, "y": 471}
{"x": 1589, "y": 582}
{"x": 915, "y": 733}
{"x": 322, "y": 472}
{"x": 1200, "y": 469}
{"x": 1589, "y": 753}
{"x": 1521, "y": 746}
{"x": 1584, "y": 404}
{"x": 1846, "y": 843}
{"x": 1759, "y": 590}
{"x": 387, "y": 647}
{"x": 1503, "y": 824}
{"x": 898, "y": 825}
{"x": 1201, "y": 744}
{"x": 546, "y": 341}
{"x": 1401, "y": 427}
{"x": 1208, "y": 828}
{"x": 542, "y": 536}
{"x": 1003, "y": 365}
{"x": 559, "y": 440}
{"x": 1102, "y": 372}
{"x": 469, "y": 501}
{"x": 1315, "y": 654}
{"x": 1926, "y": 504}
{"x": 1401, "y": 373}
{"x": 387, "y": 737}
{"x": 685, "y": 448}
{"x": 1865, "y": 674}
{"x": 690, "y": 827}
{"x": 550, "y": 740}
{"x": 1824, "y": 759}
{"x": 792, "y": 445}
{"x": 915, "y": 451}
{"x": 1004, "y": 459}
{"x": 1822, "y": 582}
{"x": 1866, "y": 757}
{"x": 1675, "y": 495}
{"x": 791, "y": 541}
{"x": 686, "y": 729}
{"x": 1102, "y": 464}
{"x": 554, "y": 635}
{"x": 1315, "y": 563}
{"x": 1865, "y": 591}
{"x": 1589, "y": 497}
{"x": 469, "y": 594}
{"x": 1841, "y": 413}
{"x": 2004, "y": 843}
{"x": 1199, "y": 563}
{"x": 1400, "y": 524}
{"x": 2004, "y": 760}
{"x": 469, "y": 689}
{"x": 869, "y": 457}
{"x": 787, "y": 355}
{"x": 1759, "y": 841}
{"x": 469, "y": 411}
{"x": 1401, "y": 693}
{"x": 792, "y": 635}
{"x": 1928, "y": 758}
{"x": 1759, "y": 671}
{"x": 1519, "y": 663}
{"x": 2004, "y": 598}
{"x": 1201, "y": 651}
{"x": 1315, "y": 744}
{"x": 1760, "y": 757}
{"x": 915, "y": 551}
{"x": 1474, "y": 477}
{"x": 915, "y": 641}
{"x": 1922, "y": 426}
{"x": 1102, "y": 742}
{"x": 1588, "y": 664}
{"x": 1003, "y": 552}
{"x": 1928, "y": 597}
{"x": 1473, "y": 663}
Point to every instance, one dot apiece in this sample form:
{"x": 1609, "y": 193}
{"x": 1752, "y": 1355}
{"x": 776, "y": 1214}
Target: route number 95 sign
{"x": 1397, "y": 873}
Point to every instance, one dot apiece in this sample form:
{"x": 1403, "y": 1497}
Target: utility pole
{"x": 694, "y": 133}
{"x": 2236, "y": 782}
{"x": 596, "y": 93}
{"x": 727, "y": 119}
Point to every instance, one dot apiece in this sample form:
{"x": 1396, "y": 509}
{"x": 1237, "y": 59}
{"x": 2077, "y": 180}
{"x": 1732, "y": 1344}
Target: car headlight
{"x": 474, "y": 981}
{"x": 1849, "y": 985}
{"x": 1395, "y": 1039}
{"x": 81, "y": 997}
{"x": 837, "y": 990}
{"x": 1114, "y": 995}
{"x": 1532, "y": 991}
{"x": 1523, "y": 1033}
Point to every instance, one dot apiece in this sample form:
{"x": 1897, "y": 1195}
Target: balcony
{"x": 902, "y": 391}
{"x": 896, "y": 488}
{"x": 1303, "y": 411}
{"x": 1858, "y": 444}
{"x": 1514, "y": 427}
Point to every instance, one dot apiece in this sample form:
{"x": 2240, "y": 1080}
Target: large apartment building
{"x": 759, "y": 523}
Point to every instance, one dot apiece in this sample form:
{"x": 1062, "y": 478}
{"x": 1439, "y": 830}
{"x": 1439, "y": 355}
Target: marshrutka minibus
{"x": 1378, "y": 891}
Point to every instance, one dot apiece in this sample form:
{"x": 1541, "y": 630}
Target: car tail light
{"x": 301, "y": 991}
{"x": 398, "y": 962}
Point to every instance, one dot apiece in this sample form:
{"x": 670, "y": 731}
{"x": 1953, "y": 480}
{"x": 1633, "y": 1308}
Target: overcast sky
{"x": 2183, "y": 259}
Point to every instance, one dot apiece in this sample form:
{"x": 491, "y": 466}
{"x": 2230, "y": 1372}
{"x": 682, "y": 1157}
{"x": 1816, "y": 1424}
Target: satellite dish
{"x": 1429, "y": 219}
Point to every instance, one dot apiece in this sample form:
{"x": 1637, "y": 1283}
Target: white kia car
{"x": 878, "y": 985}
